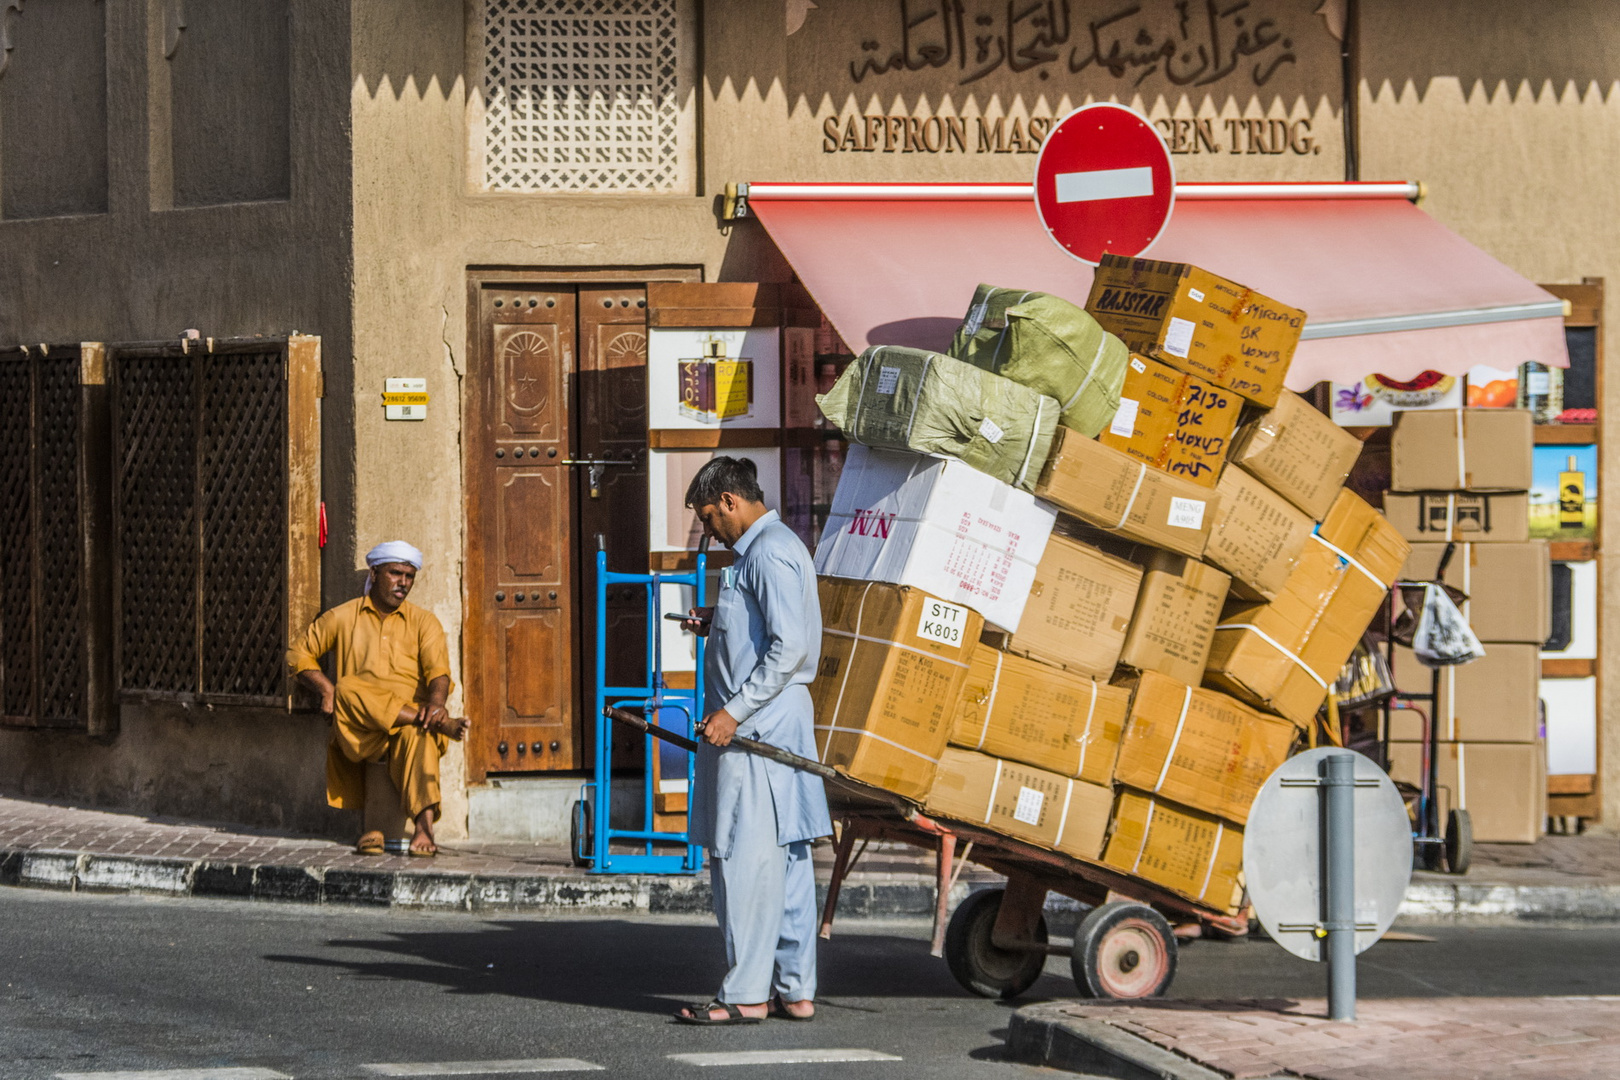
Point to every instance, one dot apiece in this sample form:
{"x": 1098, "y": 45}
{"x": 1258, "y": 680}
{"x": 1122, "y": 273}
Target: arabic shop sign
{"x": 884, "y": 133}
{"x": 1185, "y": 44}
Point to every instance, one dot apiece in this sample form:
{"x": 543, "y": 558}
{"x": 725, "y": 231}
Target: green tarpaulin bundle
{"x": 912, "y": 399}
{"x": 1049, "y": 345}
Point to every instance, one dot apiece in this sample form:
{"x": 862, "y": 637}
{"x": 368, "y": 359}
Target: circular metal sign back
{"x": 1104, "y": 183}
{"x": 1282, "y": 854}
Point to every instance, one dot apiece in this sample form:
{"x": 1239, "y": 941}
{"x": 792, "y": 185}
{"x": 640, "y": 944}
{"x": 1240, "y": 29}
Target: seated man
{"x": 393, "y": 676}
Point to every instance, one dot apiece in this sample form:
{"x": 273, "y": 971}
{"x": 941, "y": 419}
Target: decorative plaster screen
{"x": 581, "y": 95}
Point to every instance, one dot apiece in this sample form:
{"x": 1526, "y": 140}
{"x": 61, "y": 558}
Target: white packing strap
{"x": 1141, "y": 471}
{"x": 916, "y": 399}
{"x": 1275, "y": 644}
{"x": 995, "y": 786}
{"x": 1102, "y": 343}
{"x": 1063, "y": 820}
{"x": 1029, "y": 448}
{"x": 1468, "y": 581}
{"x": 990, "y": 705}
{"x": 1462, "y": 776}
{"x": 1220, "y": 830}
{"x": 1175, "y": 740}
{"x": 1351, "y": 559}
{"x": 1146, "y": 827}
{"x": 892, "y": 644}
{"x": 838, "y": 703}
{"x": 1451, "y": 515}
{"x": 1085, "y": 736}
{"x": 862, "y": 733}
{"x": 1462, "y": 453}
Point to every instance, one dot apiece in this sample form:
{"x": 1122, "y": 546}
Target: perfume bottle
{"x": 1571, "y": 496}
{"x": 1541, "y": 390}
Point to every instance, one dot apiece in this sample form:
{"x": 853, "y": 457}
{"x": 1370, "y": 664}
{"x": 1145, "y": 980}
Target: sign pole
{"x": 1339, "y": 857}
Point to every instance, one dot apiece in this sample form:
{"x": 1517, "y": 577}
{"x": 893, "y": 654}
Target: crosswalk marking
{"x": 482, "y": 1068}
{"x": 178, "y": 1074}
{"x": 781, "y": 1057}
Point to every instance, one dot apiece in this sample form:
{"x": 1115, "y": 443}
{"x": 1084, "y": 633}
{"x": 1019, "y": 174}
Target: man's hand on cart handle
{"x": 718, "y": 728}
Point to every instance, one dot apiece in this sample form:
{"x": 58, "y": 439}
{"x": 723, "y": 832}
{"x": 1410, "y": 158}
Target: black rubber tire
{"x": 1459, "y": 842}
{"x": 979, "y": 966}
{"x": 1123, "y": 951}
{"x": 580, "y": 833}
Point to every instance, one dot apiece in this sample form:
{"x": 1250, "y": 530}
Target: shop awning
{"x": 1388, "y": 289}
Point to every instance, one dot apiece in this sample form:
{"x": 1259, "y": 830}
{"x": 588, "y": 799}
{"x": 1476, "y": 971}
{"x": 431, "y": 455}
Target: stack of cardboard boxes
{"x": 1111, "y": 666}
{"x": 1462, "y": 476}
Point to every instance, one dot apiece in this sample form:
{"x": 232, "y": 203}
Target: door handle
{"x": 594, "y": 476}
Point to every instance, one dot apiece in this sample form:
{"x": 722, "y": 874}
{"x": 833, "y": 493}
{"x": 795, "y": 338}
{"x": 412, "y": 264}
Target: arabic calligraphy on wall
{"x": 1150, "y": 44}
{"x": 867, "y": 133}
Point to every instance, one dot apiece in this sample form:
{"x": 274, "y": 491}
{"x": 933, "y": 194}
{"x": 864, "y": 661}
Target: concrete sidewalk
{"x": 48, "y": 845}
{"x": 1456, "y": 1038}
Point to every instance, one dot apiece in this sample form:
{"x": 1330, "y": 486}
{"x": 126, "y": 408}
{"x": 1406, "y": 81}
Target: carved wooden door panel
{"x": 521, "y": 658}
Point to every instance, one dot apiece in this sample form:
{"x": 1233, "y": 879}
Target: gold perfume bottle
{"x": 1571, "y": 496}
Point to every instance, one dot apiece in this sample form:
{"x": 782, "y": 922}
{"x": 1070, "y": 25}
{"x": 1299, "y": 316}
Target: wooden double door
{"x": 556, "y": 465}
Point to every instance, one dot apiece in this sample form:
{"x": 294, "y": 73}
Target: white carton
{"x": 937, "y": 525}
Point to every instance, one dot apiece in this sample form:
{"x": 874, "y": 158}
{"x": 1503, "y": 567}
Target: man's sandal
{"x": 370, "y": 843}
{"x": 779, "y": 1011}
{"x": 699, "y": 1014}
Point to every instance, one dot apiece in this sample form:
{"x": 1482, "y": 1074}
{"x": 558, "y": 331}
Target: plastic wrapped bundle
{"x": 912, "y": 399}
{"x": 1050, "y": 346}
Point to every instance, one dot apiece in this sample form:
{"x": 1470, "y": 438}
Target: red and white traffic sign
{"x": 1104, "y": 183}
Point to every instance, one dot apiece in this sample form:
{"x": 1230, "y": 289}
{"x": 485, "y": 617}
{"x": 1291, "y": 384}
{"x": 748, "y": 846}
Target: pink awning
{"x": 1386, "y": 288}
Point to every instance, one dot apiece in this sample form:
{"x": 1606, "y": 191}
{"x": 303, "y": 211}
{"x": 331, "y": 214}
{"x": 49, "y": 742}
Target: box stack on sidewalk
{"x": 1086, "y": 578}
{"x": 1462, "y": 476}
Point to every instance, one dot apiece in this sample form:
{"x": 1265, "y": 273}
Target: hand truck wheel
{"x": 1123, "y": 950}
{"x": 980, "y": 966}
{"x": 581, "y": 837}
{"x": 1459, "y": 841}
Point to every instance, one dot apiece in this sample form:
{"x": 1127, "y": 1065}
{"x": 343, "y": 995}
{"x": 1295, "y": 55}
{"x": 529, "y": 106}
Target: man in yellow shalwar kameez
{"x": 393, "y": 678}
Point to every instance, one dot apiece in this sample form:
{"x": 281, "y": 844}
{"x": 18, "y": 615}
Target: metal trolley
{"x": 592, "y": 834}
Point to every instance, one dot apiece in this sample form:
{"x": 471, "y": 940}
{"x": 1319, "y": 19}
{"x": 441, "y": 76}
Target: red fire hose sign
{"x": 1104, "y": 183}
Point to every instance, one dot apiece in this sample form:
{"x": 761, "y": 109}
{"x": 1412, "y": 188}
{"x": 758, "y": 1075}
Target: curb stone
{"x": 1046, "y": 1035}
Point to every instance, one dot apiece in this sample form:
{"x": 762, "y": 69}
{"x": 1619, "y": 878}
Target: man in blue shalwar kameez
{"x": 758, "y": 817}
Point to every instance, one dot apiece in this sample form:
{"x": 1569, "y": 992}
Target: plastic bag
{"x": 1442, "y": 637}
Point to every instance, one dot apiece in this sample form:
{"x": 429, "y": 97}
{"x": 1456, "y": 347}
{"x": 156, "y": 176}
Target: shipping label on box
{"x": 893, "y": 660}
{"x": 1198, "y": 322}
{"x": 1199, "y": 747}
{"x": 1257, "y": 536}
{"x": 1462, "y": 450}
{"x": 1177, "y": 610}
{"x": 1503, "y": 786}
{"x": 1023, "y": 802}
{"x": 1299, "y": 453}
{"x": 1187, "y": 851}
{"x": 1493, "y": 699}
{"x": 1022, "y": 710}
{"x": 938, "y": 525}
{"x": 1079, "y": 609}
{"x": 1509, "y": 586}
{"x": 1460, "y": 515}
{"x": 1176, "y": 422}
{"x": 1113, "y": 491}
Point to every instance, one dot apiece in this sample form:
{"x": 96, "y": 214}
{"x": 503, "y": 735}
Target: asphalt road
{"x": 96, "y": 984}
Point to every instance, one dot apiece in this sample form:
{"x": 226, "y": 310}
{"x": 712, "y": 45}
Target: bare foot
{"x": 795, "y": 1010}
{"x": 422, "y": 843}
{"x": 455, "y": 728}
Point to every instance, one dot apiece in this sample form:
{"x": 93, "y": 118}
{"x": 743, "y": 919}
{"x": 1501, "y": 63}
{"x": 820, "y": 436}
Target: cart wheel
{"x": 979, "y": 966}
{"x": 1123, "y": 950}
{"x": 1459, "y": 841}
{"x": 580, "y": 836}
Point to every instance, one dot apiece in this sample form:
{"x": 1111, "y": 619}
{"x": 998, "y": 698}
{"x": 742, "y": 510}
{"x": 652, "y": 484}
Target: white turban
{"x": 394, "y": 551}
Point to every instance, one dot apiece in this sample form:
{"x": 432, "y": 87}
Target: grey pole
{"x": 1339, "y": 857}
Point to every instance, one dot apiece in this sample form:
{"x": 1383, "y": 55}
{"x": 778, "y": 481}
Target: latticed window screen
{"x": 581, "y": 95}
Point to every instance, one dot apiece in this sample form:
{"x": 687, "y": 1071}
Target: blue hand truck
{"x": 592, "y": 834}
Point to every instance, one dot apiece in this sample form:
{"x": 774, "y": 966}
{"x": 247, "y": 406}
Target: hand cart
{"x": 996, "y": 942}
{"x": 592, "y": 834}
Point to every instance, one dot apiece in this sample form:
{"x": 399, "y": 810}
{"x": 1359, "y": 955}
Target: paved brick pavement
{"x": 1453, "y": 1038}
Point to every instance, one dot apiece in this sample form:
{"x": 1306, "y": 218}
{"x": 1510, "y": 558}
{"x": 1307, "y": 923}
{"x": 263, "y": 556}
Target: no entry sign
{"x": 1104, "y": 183}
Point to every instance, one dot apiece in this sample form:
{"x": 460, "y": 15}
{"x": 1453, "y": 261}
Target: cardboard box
{"x": 938, "y": 525}
{"x": 1199, "y": 747}
{"x": 1177, "y": 610}
{"x": 1462, "y": 450}
{"x": 1460, "y": 515}
{"x": 1299, "y": 452}
{"x": 1184, "y": 850}
{"x": 1198, "y": 322}
{"x": 1503, "y": 786}
{"x": 1079, "y": 609}
{"x": 1509, "y": 586}
{"x": 1021, "y": 801}
{"x": 1493, "y": 699}
{"x": 1176, "y": 422}
{"x": 893, "y": 660}
{"x": 1024, "y": 711}
{"x": 1257, "y": 536}
{"x": 1114, "y": 491}
{"x": 1282, "y": 655}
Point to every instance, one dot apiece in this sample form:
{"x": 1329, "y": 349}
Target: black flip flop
{"x": 779, "y": 1011}
{"x": 699, "y": 1014}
